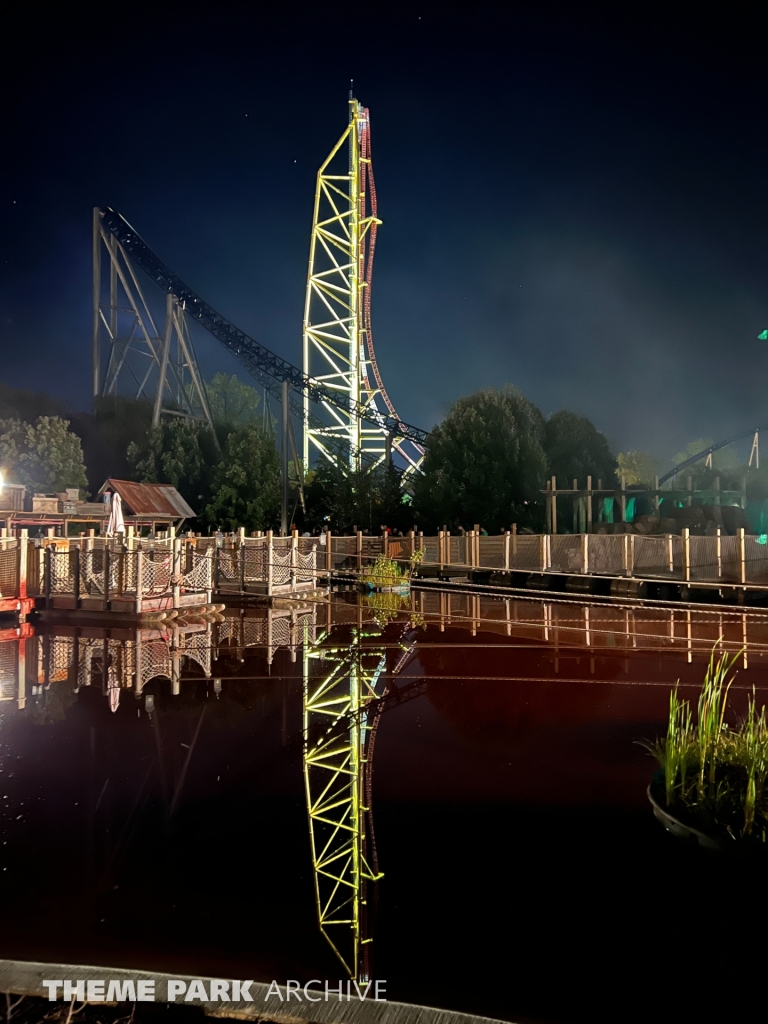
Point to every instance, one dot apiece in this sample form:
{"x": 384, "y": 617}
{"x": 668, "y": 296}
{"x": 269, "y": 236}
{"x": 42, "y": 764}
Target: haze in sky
{"x": 573, "y": 197}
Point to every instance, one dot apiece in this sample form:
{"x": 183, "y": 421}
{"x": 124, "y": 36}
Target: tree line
{"x": 487, "y": 462}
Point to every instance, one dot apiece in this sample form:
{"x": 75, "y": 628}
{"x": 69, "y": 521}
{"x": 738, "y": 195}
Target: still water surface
{"x": 524, "y": 876}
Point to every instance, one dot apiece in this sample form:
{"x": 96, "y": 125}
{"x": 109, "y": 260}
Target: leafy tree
{"x": 107, "y": 434}
{"x": 232, "y": 403}
{"x": 178, "y": 452}
{"x": 365, "y": 498}
{"x": 45, "y": 456}
{"x": 575, "y": 449}
{"x": 246, "y": 489}
{"x": 725, "y": 458}
{"x": 485, "y": 463}
{"x": 637, "y": 468}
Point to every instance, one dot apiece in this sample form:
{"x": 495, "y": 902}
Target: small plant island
{"x": 711, "y": 783}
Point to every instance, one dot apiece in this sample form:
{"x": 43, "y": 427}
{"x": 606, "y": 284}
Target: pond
{"x": 455, "y": 784}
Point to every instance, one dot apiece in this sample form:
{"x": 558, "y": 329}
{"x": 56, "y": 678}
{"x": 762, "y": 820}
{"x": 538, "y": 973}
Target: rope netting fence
{"x": 285, "y": 563}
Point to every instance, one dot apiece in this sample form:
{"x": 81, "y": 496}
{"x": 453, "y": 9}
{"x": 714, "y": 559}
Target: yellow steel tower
{"x": 338, "y": 344}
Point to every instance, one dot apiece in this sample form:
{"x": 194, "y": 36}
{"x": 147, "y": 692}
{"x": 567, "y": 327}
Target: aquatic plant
{"x": 715, "y": 774}
{"x": 385, "y": 572}
{"x": 386, "y": 607}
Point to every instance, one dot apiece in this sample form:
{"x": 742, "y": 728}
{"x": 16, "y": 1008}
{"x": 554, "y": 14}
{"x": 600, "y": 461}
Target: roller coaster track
{"x": 709, "y": 451}
{"x": 262, "y": 363}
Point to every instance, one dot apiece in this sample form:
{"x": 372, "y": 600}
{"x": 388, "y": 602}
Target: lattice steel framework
{"x": 131, "y": 355}
{"x": 338, "y": 343}
{"x": 341, "y": 687}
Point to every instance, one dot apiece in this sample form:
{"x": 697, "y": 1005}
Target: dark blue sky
{"x": 573, "y": 196}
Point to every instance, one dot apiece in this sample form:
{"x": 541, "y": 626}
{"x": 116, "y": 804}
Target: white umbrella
{"x": 115, "y": 523}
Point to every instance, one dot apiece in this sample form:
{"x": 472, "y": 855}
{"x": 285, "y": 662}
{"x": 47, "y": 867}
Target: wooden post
{"x": 176, "y": 567}
{"x": 359, "y": 550}
{"x": 447, "y": 544}
{"x": 139, "y": 579}
{"x": 742, "y": 556}
{"x": 670, "y": 554}
{"x": 514, "y": 540}
{"x": 75, "y": 556}
{"x": 543, "y": 551}
{"x": 548, "y": 508}
{"x": 47, "y": 576}
{"x": 553, "y": 517}
{"x": 384, "y": 543}
{"x": 270, "y": 553}
{"x": 575, "y": 503}
{"x": 589, "y": 504}
{"x": 585, "y": 553}
{"x": 24, "y": 550}
{"x": 719, "y": 548}
{"x": 440, "y": 546}
{"x": 686, "y": 553}
{"x": 329, "y": 551}
{"x": 506, "y": 550}
{"x": 294, "y": 558}
{"x": 623, "y": 498}
{"x": 241, "y": 562}
{"x": 107, "y": 570}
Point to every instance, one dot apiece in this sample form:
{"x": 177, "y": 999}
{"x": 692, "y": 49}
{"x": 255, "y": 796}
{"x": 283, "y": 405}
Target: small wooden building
{"x": 152, "y": 505}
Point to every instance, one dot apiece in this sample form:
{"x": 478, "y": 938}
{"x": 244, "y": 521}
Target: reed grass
{"x": 385, "y": 572}
{"x": 715, "y": 773}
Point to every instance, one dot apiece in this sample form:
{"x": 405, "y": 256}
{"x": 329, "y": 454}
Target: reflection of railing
{"x": 339, "y": 685}
{"x": 270, "y": 628}
{"x": 123, "y": 664}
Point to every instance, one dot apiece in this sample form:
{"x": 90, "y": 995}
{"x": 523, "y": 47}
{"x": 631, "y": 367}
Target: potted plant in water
{"x": 711, "y": 782}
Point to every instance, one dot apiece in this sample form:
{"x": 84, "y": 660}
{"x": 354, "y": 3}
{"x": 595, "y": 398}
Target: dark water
{"x": 525, "y": 877}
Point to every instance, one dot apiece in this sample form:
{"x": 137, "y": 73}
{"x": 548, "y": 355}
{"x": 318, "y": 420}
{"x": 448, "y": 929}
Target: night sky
{"x": 573, "y": 196}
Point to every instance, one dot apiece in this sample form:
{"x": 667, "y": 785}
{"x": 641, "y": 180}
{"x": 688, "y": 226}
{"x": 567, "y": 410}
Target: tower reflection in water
{"x": 356, "y": 659}
{"x": 343, "y": 674}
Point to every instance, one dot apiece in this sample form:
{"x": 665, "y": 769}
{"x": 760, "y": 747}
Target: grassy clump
{"x": 386, "y": 572}
{"x": 714, "y": 774}
{"x": 386, "y": 607}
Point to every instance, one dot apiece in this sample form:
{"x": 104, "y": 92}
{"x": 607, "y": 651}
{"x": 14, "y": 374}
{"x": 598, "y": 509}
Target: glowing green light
{"x": 763, "y": 336}
{"x": 763, "y": 538}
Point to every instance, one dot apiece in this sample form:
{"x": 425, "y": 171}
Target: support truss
{"x": 131, "y": 355}
{"x": 340, "y": 683}
{"x": 338, "y": 344}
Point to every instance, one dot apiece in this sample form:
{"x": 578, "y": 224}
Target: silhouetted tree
{"x": 368, "y": 498}
{"x": 575, "y": 449}
{"x": 485, "y": 463}
{"x": 233, "y": 404}
{"x": 246, "y": 486}
{"x": 178, "y": 452}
